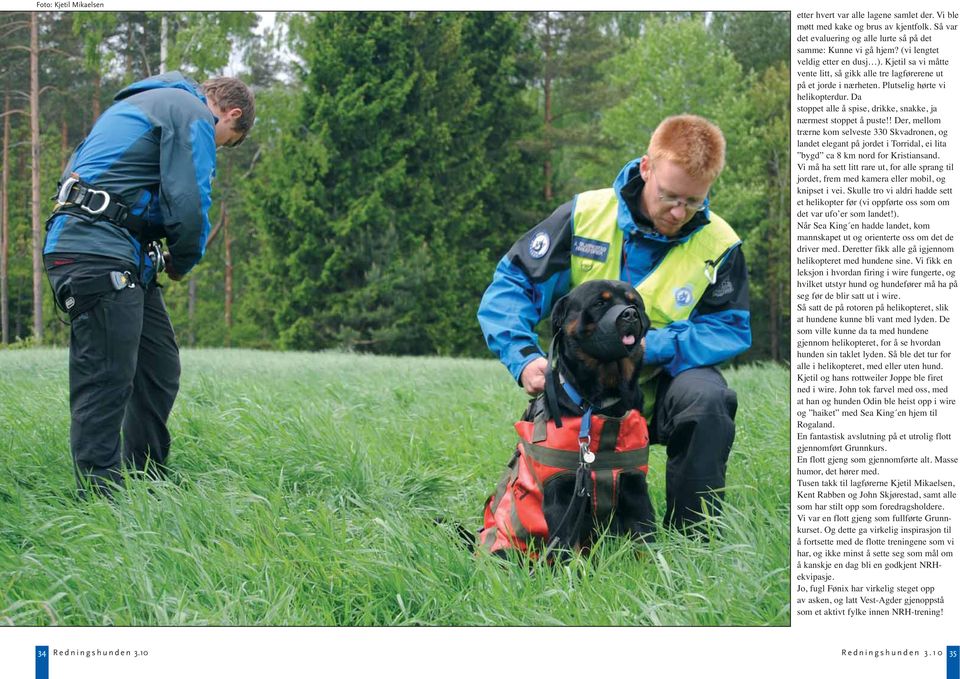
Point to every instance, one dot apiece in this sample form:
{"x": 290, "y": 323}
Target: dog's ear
{"x": 559, "y": 314}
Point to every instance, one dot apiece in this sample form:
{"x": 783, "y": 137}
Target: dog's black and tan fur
{"x": 607, "y": 380}
{"x": 608, "y": 384}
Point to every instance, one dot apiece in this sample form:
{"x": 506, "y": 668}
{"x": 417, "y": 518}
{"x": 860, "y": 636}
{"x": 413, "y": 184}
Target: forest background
{"x": 396, "y": 156}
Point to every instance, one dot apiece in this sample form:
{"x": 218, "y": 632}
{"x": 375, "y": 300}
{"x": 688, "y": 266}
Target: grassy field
{"x": 306, "y": 490}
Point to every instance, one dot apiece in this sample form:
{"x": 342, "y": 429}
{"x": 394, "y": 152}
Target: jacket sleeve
{"x": 187, "y": 165}
{"x": 530, "y": 277}
{"x": 717, "y": 330}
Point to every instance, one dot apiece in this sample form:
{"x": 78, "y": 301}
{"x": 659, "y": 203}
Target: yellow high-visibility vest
{"x": 671, "y": 291}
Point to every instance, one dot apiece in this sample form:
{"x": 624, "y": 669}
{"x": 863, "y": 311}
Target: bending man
{"x": 143, "y": 175}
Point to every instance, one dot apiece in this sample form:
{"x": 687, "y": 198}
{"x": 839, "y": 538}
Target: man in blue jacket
{"x": 655, "y": 230}
{"x": 142, "y": 176}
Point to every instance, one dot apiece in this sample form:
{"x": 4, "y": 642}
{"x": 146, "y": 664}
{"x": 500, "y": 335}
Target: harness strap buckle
{"x": 155, "y": 253}
{"x": 122, "y": 279}
{"x": 586, "y": 456}
{"x": 85, "y": 203}
{"x": 64, "y": 193}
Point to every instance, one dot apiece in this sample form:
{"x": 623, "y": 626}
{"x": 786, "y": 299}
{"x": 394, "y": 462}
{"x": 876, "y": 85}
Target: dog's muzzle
{"x": 607, "y": 342}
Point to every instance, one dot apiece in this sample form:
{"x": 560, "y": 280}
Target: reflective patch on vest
{"x": 590, "y": 249}
{"x": 539, "y": 244}
{"x": 683, "y": 296}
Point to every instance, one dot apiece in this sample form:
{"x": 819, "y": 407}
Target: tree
{"x": 13, "y": 74}
{"x": 35, "y": 176}
{"x": 5, "y": 222}
{"x": 571, "y": 46}
{"x": 373, "y": 219}
{"x": 278, "y": 126}
{"x": 676, "y": 67}
{"x": 48, "y": 49}
{"x": 758, "y": 40}
{"x": 402, "y": 156}
{"x": 204, "y": 307}
{"x": 202, "y": 41}
{"x": 768, "y": 243}
{"x": 94, "y": 29}
{"x": 500, "y": 49}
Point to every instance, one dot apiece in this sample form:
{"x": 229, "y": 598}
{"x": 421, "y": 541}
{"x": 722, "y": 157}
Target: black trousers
{"x": 694, "y": 418}
{"x": 124, "y": 374}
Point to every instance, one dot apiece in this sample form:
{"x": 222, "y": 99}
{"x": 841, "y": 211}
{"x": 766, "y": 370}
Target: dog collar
{"x": 586, "y": 457}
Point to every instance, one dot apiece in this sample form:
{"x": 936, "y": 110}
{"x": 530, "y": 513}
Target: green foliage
{"x": 767, "y": 245}
{"x": 94, "y": 28}
{"x": 759, "y": 40}
{"x": 567, "y": 73}
{"x": 202, "y": 41}
{"x": 675, "y": 67}
{"x": 394, "y": 181}
{"x": 397, "y": 156}
{"x": 199, "y": 43}
{"x": 306, "y": 489}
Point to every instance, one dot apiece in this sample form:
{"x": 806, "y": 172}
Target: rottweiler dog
{"x": 594, "y": 363}
{"x": 599, "y": 329}
{"x": 598, "y": 333}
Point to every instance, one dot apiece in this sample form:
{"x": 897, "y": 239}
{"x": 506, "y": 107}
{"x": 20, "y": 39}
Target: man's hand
{"x": 168, "y": 267}
{"x": 534, "y": 376}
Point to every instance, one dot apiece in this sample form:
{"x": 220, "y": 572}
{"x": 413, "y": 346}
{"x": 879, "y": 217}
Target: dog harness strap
{"x": 587, "y": 409}
{"x": 566, "y": 459}
{"x": 573, "y": 394}
{"x": 550, "y": 386}
{"x": 585, "y": 424}
{"x": 604, "y": 493}
{"x": 586, "y": 456}
{"x": 514, "y": 515}
{"x": 540, "y": 428}
{"x": 609, "y": 435}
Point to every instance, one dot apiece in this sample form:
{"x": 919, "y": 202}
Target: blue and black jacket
{"x": 155, "y": 148}
{"x": 524, "y": 289}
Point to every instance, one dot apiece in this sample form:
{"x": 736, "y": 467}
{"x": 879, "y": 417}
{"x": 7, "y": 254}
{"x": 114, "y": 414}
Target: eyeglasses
{"x": 689, "y": 204}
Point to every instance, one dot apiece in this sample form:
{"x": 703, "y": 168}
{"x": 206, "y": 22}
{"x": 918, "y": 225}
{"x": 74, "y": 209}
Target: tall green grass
{"x": 306, "y": 489}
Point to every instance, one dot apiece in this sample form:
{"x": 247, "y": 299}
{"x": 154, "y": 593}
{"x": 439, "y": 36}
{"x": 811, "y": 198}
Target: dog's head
{"x": 604, "y": 321}
{"x": 600, "y": 326}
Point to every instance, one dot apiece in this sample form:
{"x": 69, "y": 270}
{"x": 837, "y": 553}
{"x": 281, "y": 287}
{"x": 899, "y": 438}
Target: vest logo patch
{"x": 590, "y": 249}
{"x": 539, "y": 244}
{"x": 722, "y": 289}
{"x": 683, "y": 296}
